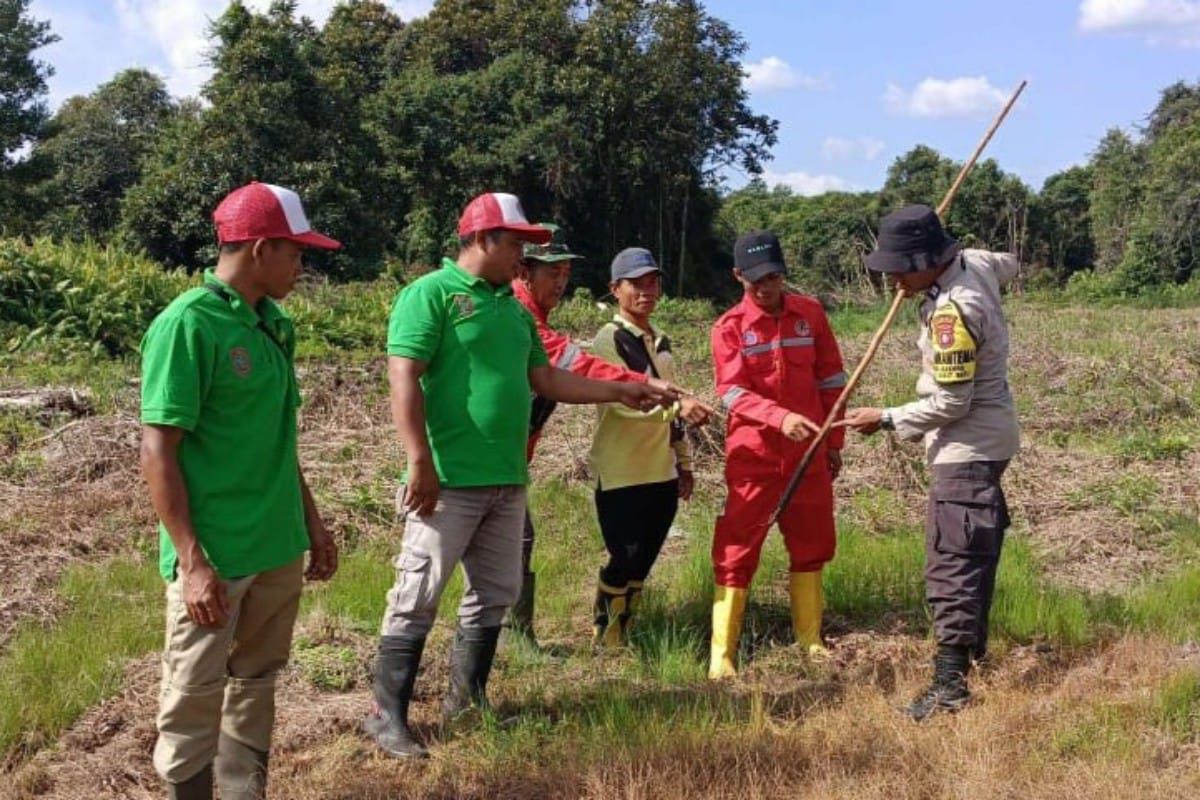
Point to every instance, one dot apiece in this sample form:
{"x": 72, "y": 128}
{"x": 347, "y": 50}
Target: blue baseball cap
{"x": 633, "y": 262}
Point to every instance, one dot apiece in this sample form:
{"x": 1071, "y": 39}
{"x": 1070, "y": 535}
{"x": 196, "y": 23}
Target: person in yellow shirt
{"x": 642, "y": 460}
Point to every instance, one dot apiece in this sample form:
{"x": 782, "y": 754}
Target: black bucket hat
{"x": 910, "y": 240}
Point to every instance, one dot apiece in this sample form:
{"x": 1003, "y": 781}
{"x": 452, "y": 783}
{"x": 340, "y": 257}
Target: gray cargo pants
{"x": 964, "y": 530}
{"x": 481, "y": 527}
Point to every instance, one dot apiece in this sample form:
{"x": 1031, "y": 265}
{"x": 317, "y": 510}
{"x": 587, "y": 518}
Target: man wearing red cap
{"x": 779, "y": 372}
{"x": 219, "y": 399}
{"x": 463, "y": 359}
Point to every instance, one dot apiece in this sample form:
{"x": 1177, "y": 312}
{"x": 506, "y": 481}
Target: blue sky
{"x": 853, "y": 84}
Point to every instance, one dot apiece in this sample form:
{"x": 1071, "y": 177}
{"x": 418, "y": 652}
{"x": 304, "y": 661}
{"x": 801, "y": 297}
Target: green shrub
{"x": 80, "y": 296}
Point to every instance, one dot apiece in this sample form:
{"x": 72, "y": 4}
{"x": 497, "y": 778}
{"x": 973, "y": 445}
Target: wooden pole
{"x": 877, "y": 339}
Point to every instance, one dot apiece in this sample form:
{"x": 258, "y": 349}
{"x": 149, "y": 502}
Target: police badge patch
{"x": 953, "y": 346}
{"x": 240, "y": 358}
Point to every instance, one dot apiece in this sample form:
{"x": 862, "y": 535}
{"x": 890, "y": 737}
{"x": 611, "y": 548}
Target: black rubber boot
{"x": 519, "y": 621}
{"x": 948, "y": 691}
{"x": 241, "y": 771}
{"x": 470, "y": 664}
{"x": 197, "y": 787}
{"x": 395, "y": 675}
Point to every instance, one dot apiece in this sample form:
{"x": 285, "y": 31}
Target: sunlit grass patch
{"x": 49, "y": 675}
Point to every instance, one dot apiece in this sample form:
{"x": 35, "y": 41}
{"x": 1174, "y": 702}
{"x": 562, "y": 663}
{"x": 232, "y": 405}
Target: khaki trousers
{"x": 222, "y": 680}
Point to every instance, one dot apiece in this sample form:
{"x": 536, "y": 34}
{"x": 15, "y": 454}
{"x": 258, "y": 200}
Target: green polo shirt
{"x": 209, "y": 367}
{"x": 479, "y": 344}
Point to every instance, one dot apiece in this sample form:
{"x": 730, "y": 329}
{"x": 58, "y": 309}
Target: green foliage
{"x": 22, "y": 105}
{"x": 330, "y": 667}
{"x": 1176, "y": 708}
{"x": 1062, "y": 213}
{"x": 48, "y": 676}
{"x": 22, "y": 77}
{"x": 80, "y": 296}
{"x": 93, "y": 151}
{"x": 615, "y": 123}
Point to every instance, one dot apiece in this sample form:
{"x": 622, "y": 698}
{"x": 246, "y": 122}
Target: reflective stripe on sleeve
{"x": 731, "y": 396}
{"x": 836, "y": 381}
{"x": 569, "y": 356}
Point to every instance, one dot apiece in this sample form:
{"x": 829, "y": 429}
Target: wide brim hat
{"x": 911, "y": 240}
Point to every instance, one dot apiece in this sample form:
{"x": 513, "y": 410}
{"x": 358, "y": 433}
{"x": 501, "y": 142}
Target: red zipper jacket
{"x": 769, "y": 366}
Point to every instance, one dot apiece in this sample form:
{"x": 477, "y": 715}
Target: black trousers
{"x": 634, "y": 521}
{"x": 964, "y": 531}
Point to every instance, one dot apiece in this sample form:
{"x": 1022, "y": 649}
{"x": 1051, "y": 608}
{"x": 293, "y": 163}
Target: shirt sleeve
{"x": 830, "y": 375}
{"x": 416, "y": 322}
{"x": 537, "y": 351}
{"x": 177, "y": 363}
{"x": 951, "y": 376}
{"x": 733, "y": 382}
{"x": 683, "y": 454}
{"x": 566, "y": 354}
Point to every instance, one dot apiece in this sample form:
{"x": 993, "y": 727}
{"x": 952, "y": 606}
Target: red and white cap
{"x": 496, "y": 210}
{"x": 265, "y": 211}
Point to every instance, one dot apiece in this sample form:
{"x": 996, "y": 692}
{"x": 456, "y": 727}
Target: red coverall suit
{"x": 766, "y": 367}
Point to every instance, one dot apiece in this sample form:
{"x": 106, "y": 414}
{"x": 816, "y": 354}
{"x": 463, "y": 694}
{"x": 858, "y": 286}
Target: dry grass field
{"x": 1093, "y": 690}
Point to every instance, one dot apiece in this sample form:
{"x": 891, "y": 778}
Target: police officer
{"x": 965, "y": 414}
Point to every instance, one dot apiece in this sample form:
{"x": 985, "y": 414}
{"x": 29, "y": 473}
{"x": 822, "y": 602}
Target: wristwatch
{"x": 885, "y": 420}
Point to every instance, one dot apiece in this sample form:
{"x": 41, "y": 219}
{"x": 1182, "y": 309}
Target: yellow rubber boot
{"x": 606, "y": 616}
{"x": 808, "y": 604}
{"x": 729, "y": 606}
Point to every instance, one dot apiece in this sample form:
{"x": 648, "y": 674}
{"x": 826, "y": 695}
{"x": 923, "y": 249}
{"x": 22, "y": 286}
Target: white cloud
{"x": 179, "y": 30}
{"x": 1174, "y": 21}
{"x": 805, "y": 184}
{"x": 773, "y": 74}
{"x": 835, "y": 148}
{"x": 933, "y": 97}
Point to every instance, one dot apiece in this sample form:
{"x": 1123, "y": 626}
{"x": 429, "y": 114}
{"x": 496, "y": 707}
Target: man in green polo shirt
{"x": 463, "y": 359}
{"x": 219, "y": 399}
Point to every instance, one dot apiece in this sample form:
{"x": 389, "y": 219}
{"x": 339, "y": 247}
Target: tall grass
{"x": 48, "y": 676}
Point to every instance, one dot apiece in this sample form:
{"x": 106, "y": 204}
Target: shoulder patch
{"x": 953, "y": 346}
{"x": 464, "y": 305}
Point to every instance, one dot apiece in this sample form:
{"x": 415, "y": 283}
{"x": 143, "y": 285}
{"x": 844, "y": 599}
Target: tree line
{"x": 1130, "y": 215}
{"x": 615, "y": 118}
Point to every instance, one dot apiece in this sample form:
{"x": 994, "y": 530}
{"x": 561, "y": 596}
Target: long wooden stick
{"x": 877, "y": 339}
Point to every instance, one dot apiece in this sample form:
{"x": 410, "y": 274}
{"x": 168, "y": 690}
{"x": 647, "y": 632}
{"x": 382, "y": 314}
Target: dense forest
{"x": 616, "y": 118}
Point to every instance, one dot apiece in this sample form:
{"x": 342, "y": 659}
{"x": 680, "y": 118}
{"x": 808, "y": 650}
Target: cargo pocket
{"x": 412, "y": 581}
{"x": 970, "y": 518}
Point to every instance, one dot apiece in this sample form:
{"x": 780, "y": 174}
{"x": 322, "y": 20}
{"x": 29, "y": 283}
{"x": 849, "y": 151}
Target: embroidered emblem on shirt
{"x": 240, "y": 358}
{"x": 749, "y": 338}
{"x": 953, "y": 346}
{"x": 802, "y": 328}
{"x": 463, "y": 304}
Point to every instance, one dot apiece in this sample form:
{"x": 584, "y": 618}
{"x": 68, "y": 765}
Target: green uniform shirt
{"x": 210, "y": 367}
{"x": 478, "y": 344}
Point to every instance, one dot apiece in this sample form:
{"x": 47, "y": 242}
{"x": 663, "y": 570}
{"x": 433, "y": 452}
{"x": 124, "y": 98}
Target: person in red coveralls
{"x": 541, "y": 282}
{"x": 778, "y": 373}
